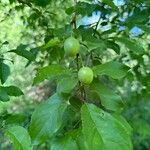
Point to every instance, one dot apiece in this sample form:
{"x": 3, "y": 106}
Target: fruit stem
{"x": 88, "y": 60}
{"x": 81, "y": 87}
{"x": 77, "y": 60}
{"x": 73, "y": 21}
{"x": 84, "y": 94}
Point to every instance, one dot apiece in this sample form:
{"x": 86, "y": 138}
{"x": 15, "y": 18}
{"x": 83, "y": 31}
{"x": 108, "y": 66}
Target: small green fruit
{"x": 85, "y": 75}
{"x": 71, "y": 46}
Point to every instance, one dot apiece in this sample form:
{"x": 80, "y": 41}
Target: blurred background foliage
{"x": 32, "y": 23}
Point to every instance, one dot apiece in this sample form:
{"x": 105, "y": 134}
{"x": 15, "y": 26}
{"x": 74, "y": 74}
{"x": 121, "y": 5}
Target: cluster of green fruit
{"x": 71, "y": 47}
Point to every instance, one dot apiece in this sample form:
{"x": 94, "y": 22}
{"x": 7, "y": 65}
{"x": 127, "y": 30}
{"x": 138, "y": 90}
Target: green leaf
{"x": 76, "y": 103}
{"x": 86, "y": 33}
{"x": 63, "y": 32}
{"x": 99, "y": 44}
{"x": 133, "y": 46}
{"x": 49, "y": 72}
{"x": 66, "y": 85}
{"x": 145, "y": 28}
{"x": 35, "y": 52}
{"x": 47, "y": 119}
{"x": 41, "y": 3}
{"x": 147, "y": 2}
{"x": 111, "y": 4}
{"x": 81, "y": 9}
{"x": 70, "y": 10}
{"x": 4, "y": 72}
{"x": 69, "y": 117}
{"x": 104, "y": 131}
{"x": 94, "y": 43}
{"x": 3, "y": 95}
{"x": 113, "y": 69}
{"x": 113, "y": 46}
{"x": 142, "y": 127}
{"x": 21, "y": 51}
{"x": 64, "y": 143}
{"x": 6, "y": 91}
{"x": 12, "y": 90}
{"x": 109, "y": 99}
{"x": 15, "y": 118}
{"x": 80, "y": 139}
{"x": 19, "y": 137}
{"x": 138, "y": 17}
{"x": 123, "y": 122}
{"x": 51, "y": 43}
{"x": 56, "y": 54}
{"x": 73, "y": 139}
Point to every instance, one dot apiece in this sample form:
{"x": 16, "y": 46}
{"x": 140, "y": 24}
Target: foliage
{"x": 81, "y": 116}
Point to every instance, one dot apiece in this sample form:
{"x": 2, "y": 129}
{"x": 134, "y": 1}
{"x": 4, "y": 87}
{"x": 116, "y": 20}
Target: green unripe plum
{"x": 71, "y": 46}
{"x": 85, "y": 75}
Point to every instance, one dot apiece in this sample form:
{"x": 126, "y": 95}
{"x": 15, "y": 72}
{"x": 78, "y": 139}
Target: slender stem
{"x": 97, "y": 25}
{"x": 73, "y": 22}
{"x": 91, "y": 24}
{"x": 84, "y": 94}
{"x": 77, "y": 60}
{"x": 88, "y": 60}
{"x": 82, "y": 64}
{"x": 91, "y": 55}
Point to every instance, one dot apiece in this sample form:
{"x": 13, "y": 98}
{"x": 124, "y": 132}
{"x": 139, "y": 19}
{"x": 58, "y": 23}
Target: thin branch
{"x": 97, "y": 25}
